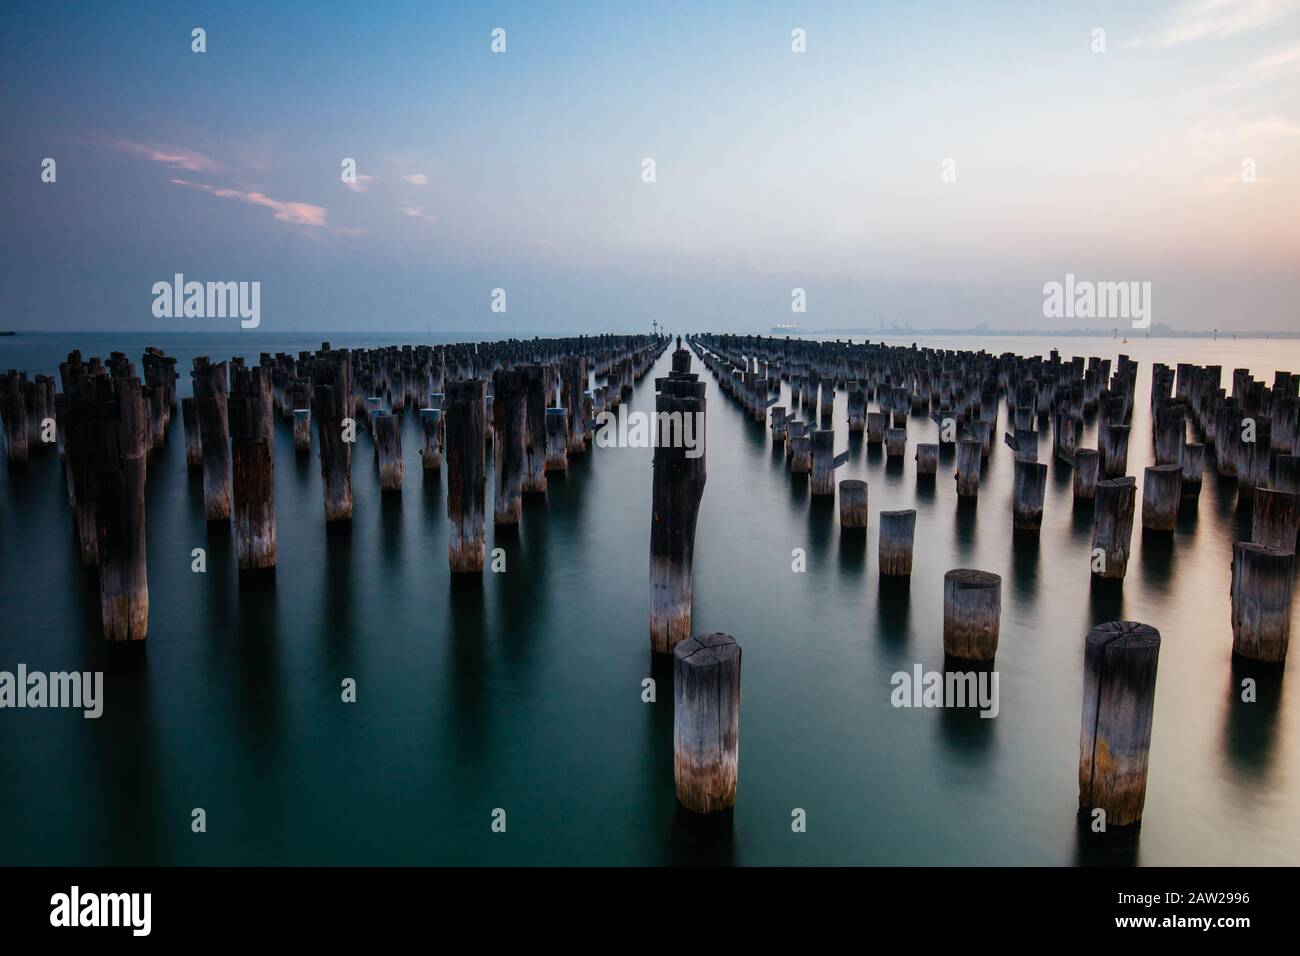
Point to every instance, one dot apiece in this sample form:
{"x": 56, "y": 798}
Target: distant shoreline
{"x": 1055, "y": 333}
{"x": 481, "y": 335}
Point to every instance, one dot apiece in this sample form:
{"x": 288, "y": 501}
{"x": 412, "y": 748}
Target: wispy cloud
{"x": 417, "y": 212}
{"x": 298, "y": 213}
{"x": 1271, "y": 66}
{"x": 417, "y": 179}
{"x": 1218, "y": 19}
{"x": 173, "y": 157}
{"x": 361, "y": 184}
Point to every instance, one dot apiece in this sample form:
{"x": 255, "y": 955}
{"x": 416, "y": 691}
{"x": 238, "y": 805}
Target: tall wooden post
{"x": 431, "y": 433}
{"x": 1119, "y": 685}
{"x": 968, "y": 468}
{"x": 823, "y": 462}
{"x": 573, "y": 377}
{"x": 193, "y": 437}
{"x": 1193, "y": 469}
{"x": 13, "y": 414}
{"x": 333, "y": 408}
{"x": 108, "y": 423}
{"x": 387, "y": 429}
{"x": 676, "y": 489}
{"x": 509, "y": 449}
{"x": 557, "y": 439}
{"x": 210, "y": 396}
{"x": 1112, "y": 527}
{"x": 250, "y": 437}
{"x": 535, "y": 450}
{"x": 466, "y": 473}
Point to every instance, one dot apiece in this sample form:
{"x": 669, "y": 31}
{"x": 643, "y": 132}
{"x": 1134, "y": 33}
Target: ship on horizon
{"x": 785, "y": 328}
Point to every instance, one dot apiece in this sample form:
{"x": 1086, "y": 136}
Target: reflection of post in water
{"x": 1251, "y": 728}
{"x": 893, "y": 604}
{"x": 971, "y": 693}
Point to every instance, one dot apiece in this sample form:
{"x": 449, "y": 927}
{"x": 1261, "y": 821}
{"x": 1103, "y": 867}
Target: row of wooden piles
{"x": 530, "y": 400}
{"x": 1253, "y": 428}
{"x": 705, "y": 667}
{"x": 104, "y": 424}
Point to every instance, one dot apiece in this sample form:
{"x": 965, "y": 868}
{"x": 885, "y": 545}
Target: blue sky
{"x": 774, "y": 170}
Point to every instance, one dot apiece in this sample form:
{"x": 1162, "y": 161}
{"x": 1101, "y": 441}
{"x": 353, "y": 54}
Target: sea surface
{"x": 522, "y": 691}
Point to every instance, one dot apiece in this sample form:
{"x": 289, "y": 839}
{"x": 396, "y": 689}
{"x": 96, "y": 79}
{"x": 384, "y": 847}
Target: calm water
{"x": 522, "y": 690}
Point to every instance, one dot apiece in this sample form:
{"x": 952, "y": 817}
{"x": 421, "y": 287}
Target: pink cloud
{"x": 173, "y": 157}
{"x": 298, "y": 213}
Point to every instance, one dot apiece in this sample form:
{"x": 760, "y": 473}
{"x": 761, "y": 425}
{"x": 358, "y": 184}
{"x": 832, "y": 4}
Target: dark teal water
{"x": 522, "y": 690}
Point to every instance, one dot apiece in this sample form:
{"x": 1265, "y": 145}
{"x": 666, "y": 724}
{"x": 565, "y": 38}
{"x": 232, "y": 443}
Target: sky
{"x": 927, "y": 165}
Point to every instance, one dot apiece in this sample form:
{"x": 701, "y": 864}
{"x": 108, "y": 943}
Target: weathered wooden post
{"x": 895, "y": 442}
{"x": 210, "y": 396}
{"x": 826, "y": 406}
{"x": 927, "y": 461}
{"x": 800, "y": 447}
{"x": 1193, "y": 469}
{"x": 897, "y": 535}
{"x": 108, "y": 425}
{"x": 1024, "y": 442}
{"x": 1112, "y": 526}
{"x": 968, "y": 468}
{"x": 857, "y": 407}
{"x": 1275, "y": 519}
{"x": 1170, "y": 433}
{"x": 676, "y": 489}
{"x": 1253, "y": 458}
{"x": 13, "y": 414}
{"x": 193, "y": 437}
{"x": 853, "y": 503}
{"x": 249, "y": 412}
{"x": 1112, "y": 442}
{"x": 387, "y": 430}
{"x": 573, "y": 378}
{"x": 972, "y": 612}
{"x": 510, "y": 421}
{"x": 1161, "y": 492}
{"x": 1119, "y": 685}
{"x": 1262, "y": 583}
{"x": 332, "y": 409}
{"x": 535, "y": 449}
{"x": 1284, "y": 474}
{"x": 431, "y": 433}
{"x": 876, "y": 427}
{"x": 302, "y": 431}
{"x": 557, "y": 439}
{"x": 1029, "y": 485}
{"x": 778, "y": 425}
{"x": 1087, "y": 463}
{"x": 823, "y": 462}
{"x": 706, "y": 721}
{"x": 464, "y": 408}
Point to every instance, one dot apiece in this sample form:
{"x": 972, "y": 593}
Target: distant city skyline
{"x": 925, "y": 164}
